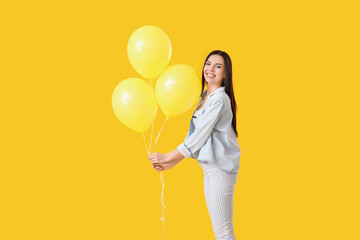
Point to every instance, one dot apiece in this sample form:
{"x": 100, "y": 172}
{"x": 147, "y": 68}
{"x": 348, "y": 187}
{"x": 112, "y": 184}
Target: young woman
{"x": 212, "y": 140}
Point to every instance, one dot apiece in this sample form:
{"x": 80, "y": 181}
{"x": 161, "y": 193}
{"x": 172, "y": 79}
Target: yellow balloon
{"x": 149, "y": 51}
{"x": 177, "y": 89}
{"x": 134, "y": 104}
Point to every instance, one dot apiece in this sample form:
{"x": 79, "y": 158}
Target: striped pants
{"x": 219, "y": 191}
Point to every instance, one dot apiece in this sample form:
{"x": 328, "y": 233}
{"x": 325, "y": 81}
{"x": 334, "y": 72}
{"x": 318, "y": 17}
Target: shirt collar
{"x": 220, "y": 89}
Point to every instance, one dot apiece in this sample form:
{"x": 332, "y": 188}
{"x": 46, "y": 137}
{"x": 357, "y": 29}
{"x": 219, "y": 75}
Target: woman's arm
{"x": 203, "y": 128}
{"x": 176, "y": 155}
{"x": 167, "y": 161}
{"x": 193, "y": 142}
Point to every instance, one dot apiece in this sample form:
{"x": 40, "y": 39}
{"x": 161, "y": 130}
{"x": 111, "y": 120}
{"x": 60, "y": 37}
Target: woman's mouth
{"x": 210, "y": 75}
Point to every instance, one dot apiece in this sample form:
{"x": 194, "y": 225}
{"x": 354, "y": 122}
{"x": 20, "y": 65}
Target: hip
{"x": 212, "y": 167}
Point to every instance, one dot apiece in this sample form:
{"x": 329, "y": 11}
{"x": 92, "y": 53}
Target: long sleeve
{"x": 202, "y": 130}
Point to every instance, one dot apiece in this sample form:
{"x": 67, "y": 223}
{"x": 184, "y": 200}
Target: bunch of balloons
{"x": 178, "y": 87}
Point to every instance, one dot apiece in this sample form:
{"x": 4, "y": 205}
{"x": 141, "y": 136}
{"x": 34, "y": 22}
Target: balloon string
{"x": 162, "y": 202}
{"x": 162, "y": 183}
{"x": 159, "y": 132}
{"x": 146, "y": 145}
{"x": 152, "y": 130}
{"x": 152, "y": 124}
{"x": 162, "y": 190}
{"x": 161, "y": 177}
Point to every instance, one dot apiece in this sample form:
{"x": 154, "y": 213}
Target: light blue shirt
{"x": 212, "y": 138}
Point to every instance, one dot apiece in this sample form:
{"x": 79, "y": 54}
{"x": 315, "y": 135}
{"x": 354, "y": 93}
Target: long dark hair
{"x": 227, "y": 83}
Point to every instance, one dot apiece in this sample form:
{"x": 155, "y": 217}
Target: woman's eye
{"x": 219, "y": 67}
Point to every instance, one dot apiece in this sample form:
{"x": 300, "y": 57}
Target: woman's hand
{"x": 162, "y": 161}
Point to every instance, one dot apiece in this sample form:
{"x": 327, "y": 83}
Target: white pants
{"x": 219, "y": 188}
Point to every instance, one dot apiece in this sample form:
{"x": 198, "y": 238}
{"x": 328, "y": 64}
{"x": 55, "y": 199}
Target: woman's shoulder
{"x": 222, "y": 98}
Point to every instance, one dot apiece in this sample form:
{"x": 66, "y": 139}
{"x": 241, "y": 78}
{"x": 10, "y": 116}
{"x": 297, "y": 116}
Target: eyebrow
{"x": 215, "y": 63}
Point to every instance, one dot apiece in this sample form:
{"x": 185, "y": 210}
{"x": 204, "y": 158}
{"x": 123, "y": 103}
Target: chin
{"x": 211, "y": 82}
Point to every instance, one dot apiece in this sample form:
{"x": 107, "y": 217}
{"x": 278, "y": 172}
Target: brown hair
{"x": 227, "y": 83}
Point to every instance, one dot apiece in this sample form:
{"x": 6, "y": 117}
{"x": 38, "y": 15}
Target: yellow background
{"x": 71, "y": 170}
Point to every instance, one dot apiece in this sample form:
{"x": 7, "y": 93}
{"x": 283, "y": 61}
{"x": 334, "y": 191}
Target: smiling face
{"x": 214, "y": 70}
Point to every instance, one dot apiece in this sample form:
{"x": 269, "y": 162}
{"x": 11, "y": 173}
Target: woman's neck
{"x": 212, "y": 88}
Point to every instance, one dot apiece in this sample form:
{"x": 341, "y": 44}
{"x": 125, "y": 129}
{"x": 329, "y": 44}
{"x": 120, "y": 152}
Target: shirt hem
{"x": 229, "y": 172}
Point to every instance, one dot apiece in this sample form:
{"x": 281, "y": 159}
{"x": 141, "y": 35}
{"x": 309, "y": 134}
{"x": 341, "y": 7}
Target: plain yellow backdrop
{"x": 71, "y": 170}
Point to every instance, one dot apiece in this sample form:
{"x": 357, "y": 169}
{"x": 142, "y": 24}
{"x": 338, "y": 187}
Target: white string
{"x": 152, "y": 124}
{"x": 162, "y": 184}
{"x": 146, "y": 145}
{"x": 152, "y": 130}
{"x": 160, "y": 131}
{"x": 161, "y": 176}
{"x": 162, "y": 202}
{"x": 162, "y": 191}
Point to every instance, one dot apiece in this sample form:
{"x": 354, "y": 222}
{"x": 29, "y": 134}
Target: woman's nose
{"x": 212, "y": 69}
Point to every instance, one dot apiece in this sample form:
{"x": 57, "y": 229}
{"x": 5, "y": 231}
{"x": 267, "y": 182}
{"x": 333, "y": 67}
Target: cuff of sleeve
{"x": 184, "y": 151}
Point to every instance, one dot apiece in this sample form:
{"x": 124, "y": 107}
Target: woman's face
{"x": 214, "y": 70}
